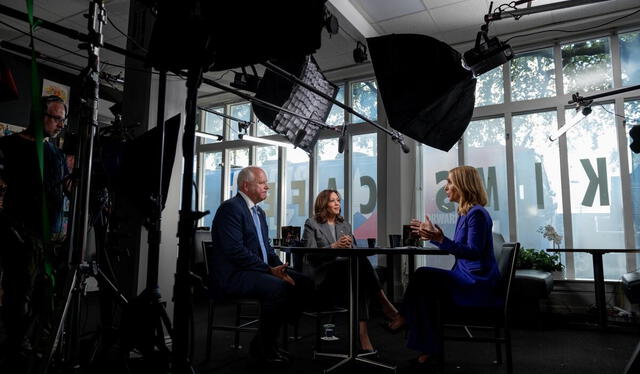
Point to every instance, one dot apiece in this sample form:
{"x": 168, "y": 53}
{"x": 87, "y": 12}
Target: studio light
{"x": 330, "y": 22}
{"x": 206, "y": 135}
{"x": 577, "y": 119}
{"x": 297, "y": 99}
{"x": 245, "y": 81}
{"x": 265, "y": 141}
{"x": 486, "y": 54}
{"x": 360, "y": 53}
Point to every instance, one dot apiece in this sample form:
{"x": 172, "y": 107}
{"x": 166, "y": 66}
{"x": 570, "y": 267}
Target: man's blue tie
{"x": 256, "y": 222}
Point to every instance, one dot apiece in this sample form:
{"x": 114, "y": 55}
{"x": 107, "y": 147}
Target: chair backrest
{"x": 498, "y": 243}
{"x": 215, "y": 291}
{"x": 508, "y": 255}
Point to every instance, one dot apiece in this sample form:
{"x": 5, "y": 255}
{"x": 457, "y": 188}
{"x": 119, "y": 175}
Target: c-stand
{"x": 80, "y": 270}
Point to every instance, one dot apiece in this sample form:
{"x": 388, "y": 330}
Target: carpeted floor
{"x": 553, "y": 346}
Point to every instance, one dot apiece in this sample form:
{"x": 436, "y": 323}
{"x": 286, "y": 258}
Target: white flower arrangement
{"x": 550, "y": 233}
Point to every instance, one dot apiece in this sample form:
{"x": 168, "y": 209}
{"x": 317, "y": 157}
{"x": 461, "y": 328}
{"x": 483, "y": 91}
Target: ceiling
{"x": 455, "y": 22}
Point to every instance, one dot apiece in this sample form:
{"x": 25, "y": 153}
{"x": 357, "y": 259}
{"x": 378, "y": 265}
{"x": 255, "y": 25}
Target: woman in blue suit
{"x": 474, "y": 278}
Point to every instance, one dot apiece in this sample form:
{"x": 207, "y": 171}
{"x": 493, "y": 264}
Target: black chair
{"x": 243, "y": 322}
{"x": 488, "y": 318}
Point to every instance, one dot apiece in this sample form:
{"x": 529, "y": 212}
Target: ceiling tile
{"x": 432, "y": 4}
{"x": 417, "y": 23}
{"x": 458, "y": 15}
{"x": 379, "y": 10}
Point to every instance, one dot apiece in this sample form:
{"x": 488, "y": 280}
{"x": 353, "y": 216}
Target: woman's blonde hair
{"x": 467, "y": 181}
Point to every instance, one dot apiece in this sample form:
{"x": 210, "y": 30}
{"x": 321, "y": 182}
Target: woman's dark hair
{"x": 321, "y": 209}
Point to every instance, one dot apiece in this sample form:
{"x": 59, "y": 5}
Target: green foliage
{"x": 530, "y": 258}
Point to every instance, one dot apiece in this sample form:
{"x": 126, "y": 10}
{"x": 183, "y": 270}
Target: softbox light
{"x": 295, "y": 98}
{"x": 426, "y": 92}
{"x": 221, "y": 35}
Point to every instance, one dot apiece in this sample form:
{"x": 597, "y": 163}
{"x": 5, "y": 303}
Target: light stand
{"x": 182, "y": 297}
{"x": 80, "y": 269}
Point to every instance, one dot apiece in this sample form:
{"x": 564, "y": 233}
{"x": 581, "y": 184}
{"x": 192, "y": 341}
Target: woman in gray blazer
{"x": 327, "y": 228}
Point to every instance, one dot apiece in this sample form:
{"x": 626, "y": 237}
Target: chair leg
{"x": 497, "y": 334}
{"x": 209, "y": 331}
{"x": 439, "y": 321}
{"x": 318, "y": 332}
{"x": 285, "y": 336}
{"x": 236, "y": 341}
{"x": 507, "y": 346}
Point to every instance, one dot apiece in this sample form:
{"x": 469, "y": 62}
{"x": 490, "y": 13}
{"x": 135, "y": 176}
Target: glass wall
{"x": 533, "y": 75}
{"x": 490, "y": 88}
{"x": 586, "y": 66}
{"x": 240, "y": 111}
{"x": 211, "y": 184}
{"x": 538, "y": 187}
{"x": 632, "y": 112}
{"x": 267, "y": 159}
{"x": 364, "y": 100}
{"x": 213, "y": 124}
{"x": 630, "y": 58}
{"x": 297, "y": 188}
{"x": 484, "y": 148}
{"x": 237, "y": 159}
{"x": 596, "y": 193}
{"x": 330, "y": 167}
{"x": 364, "y": 182}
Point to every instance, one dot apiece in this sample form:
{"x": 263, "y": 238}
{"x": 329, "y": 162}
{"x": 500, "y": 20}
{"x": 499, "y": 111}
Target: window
{"x": 364, "y": 198}
{"x": 211, "y": 184}
{"x": 490, "y": 88}
{"x": 364, "y": 100}
{"x": 586, "y": 66}
{"x": 538, "y": 187}
{"x": 336, "y": 116}
{"x": 632, "y": 112}
{"x": 240, "y": 111}
{"x": 533, "y": 75}
{"x": 267, "y": 159}
{"x": 330, "y": 167}
{"x": 629, "y": 56}
{"x": 213, "y": 124}
{"x": 237, "y": 160}
{"x": 297, "y": 187}
{"x": 596, "y": 194}
{"x": 484, "y": 148}
{"x": 264, "y": 130}
{"x": 440, "y": 210}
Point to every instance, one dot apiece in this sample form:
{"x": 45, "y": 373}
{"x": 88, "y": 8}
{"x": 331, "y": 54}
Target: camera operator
{"x": 32, "y": 208}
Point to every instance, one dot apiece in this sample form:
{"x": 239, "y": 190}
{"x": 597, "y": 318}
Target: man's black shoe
{"x": 283, "y": 353}
{"x": 268, "y": 357}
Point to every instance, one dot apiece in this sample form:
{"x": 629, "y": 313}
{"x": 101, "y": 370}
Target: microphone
{"x": 341, "y": 139}
{"x": 299, "y": 137}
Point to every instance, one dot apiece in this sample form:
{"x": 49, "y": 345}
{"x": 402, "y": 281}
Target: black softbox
{"x": 297, "y": 99}
{"x": 426, "y": 92}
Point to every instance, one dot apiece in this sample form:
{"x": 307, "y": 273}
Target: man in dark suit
{"x": 245, "y": 264}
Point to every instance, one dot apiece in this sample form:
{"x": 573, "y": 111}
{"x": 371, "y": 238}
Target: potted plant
{"x": 531, "y": 258}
